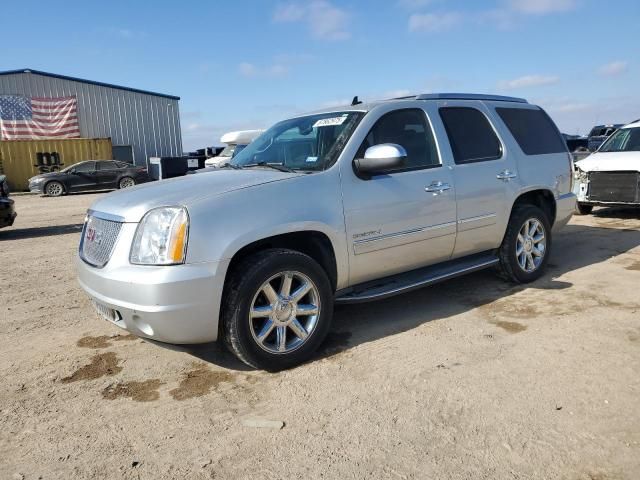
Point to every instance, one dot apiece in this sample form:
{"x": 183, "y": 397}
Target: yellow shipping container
{"x": 18, "y": 158}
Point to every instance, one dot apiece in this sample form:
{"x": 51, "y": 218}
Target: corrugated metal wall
{"x": 18, "y": 157}
{"x": 149, "y": 123}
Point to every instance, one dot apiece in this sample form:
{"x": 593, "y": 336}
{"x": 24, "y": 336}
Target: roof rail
{"x": 469, "y": 96}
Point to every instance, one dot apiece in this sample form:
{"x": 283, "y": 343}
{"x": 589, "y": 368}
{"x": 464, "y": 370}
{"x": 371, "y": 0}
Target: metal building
{"x": 141, "y": 124}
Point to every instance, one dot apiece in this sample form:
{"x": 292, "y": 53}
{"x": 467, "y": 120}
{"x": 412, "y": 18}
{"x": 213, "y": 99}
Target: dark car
{"x": 7, "y": 212}
{"x": 89, "y": 175}
{"x": 600, "y": 133}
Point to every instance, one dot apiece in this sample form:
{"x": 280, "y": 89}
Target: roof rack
{"x": 469, "y": 96}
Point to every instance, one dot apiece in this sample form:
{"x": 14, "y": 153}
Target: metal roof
{"x": 92, "y": 82}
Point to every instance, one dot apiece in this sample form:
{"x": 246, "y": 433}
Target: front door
{"x": 482, "y": 171}
{"x": 405, "y": 218}
{"x": 82, "y": 177}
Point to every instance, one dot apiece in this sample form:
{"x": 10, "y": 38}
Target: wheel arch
{"x": 542, "y": 198}
{"x": 313, "y": 243}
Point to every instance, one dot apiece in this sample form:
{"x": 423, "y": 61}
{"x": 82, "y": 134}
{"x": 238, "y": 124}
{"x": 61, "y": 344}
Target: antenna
{"x": 355, "y": 101}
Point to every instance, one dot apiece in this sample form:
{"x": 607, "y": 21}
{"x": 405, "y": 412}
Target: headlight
{"x": 161, "y": 237}
{"x": 580, "y": 175}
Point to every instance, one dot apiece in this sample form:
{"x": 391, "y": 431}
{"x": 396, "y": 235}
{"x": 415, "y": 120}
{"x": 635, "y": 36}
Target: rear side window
{"x": 107, "y": 165}
{"x": 533, "y": 130}
{"x": 470, "y": 134}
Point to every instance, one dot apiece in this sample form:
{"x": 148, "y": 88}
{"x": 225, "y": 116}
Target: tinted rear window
{"x": 533, "y": 130}
{"x": 470, "y": 134}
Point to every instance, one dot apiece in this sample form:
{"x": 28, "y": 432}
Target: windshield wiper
{"x": 276, "y": 166}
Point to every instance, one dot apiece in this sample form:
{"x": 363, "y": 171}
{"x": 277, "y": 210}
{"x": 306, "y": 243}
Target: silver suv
{"x": 339, "y": 206}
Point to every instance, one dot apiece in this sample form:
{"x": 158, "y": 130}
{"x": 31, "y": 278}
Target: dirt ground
{"x": 469, "y": 379}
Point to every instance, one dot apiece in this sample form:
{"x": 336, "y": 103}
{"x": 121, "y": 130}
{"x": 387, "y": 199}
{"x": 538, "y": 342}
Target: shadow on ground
{"x": 35, "y": 232}
{"x": 575, "y": 247}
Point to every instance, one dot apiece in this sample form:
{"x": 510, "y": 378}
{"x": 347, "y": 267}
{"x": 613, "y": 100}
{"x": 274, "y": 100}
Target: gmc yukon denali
{"x": 343, "y": 205}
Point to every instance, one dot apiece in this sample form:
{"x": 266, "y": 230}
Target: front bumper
{"x": 172, "y": 304}
{"x": 614, "y": 188}
{"x": 36, "y": 187}
{"x": 7, "y": 212}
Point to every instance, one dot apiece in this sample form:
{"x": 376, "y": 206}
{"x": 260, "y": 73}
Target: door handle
{"x": 506, "y": 175}
{"x": 437, "y": 188}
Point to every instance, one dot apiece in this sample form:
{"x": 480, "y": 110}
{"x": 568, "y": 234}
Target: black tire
{"x": 54, "y": 189}
{"x": 509, "y": 266}
{"x": 583, "y": 208}
{"x": 243, "y": 286}
{"x": 126, "y": 182}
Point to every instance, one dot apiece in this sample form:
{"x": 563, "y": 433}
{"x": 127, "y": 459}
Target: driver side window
{"x": 85, "y": 167}
{"x": 408, "y": 128}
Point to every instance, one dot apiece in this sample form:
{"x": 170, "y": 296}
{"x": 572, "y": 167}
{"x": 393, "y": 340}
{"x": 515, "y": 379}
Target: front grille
{"x": 98, "y": 239}
{"x": 614, "y": 187}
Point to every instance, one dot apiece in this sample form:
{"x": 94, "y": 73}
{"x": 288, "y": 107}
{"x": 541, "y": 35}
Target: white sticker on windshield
{"x": 330, "y": 122}
{"x": 311, "y": 159}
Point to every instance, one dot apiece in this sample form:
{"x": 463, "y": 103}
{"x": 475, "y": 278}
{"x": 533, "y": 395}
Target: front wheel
{"x": 54, "y": 189}
{"x": 126, "y": 182}
{"x": 278, "y": 309}
{"x": 526, "y": 245}
{"x": 583, "y": 208}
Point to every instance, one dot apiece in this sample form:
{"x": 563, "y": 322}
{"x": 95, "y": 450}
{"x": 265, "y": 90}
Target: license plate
{"x": 105, "y": 312}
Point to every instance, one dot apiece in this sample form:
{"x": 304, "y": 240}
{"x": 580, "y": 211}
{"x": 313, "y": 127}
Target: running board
{"x": 405, "y": 282}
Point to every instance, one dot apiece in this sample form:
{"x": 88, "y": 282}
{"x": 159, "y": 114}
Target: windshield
{"x": 624, "y": 140}
{"x": 227, "y": 151}
{"x": 310, "y": 143}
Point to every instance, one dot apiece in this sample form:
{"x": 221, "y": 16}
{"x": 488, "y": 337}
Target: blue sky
{"x": 246, "y": 64}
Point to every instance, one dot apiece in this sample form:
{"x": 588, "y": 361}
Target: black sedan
{"x": 89, "y": 175}
{"x": 7, "y": 212}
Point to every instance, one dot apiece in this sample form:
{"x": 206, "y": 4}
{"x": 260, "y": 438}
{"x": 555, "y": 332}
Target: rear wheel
{"x": 583, "y": 208}
{"x": 278, "y": 309}
{"x": 526, "y": 245}
{"x": 54, "y": 189}
{"x": 126, "y": 182}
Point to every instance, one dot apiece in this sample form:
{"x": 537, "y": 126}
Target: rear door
{"x": 405, "y": 218}
{"x": 107, "y": 174}
{"x": 483, "y": 170}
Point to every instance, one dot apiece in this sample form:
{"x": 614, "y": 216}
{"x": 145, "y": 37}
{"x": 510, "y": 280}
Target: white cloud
{"x": 434, "y": 22}
{"x": 528, "y": 81}
{"x": 289, "y": 13}
{"x": 575, "y": 117}
{"x": 324, "y": 20}
{"x": 275, "y": 70}
{"x": 541, "y": 7}
{"x": 614, "y": 68}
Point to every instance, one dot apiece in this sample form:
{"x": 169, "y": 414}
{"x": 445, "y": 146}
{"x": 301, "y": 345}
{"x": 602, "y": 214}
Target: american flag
{"x": 25, "y": 118}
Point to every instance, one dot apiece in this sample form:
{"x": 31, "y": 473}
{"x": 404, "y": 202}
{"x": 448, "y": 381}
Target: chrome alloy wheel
{"x": 531, "y": 245}
{"x": 127, "y": 182}
{"x": 284, "y": 312}
{"x": 54, "y": 189}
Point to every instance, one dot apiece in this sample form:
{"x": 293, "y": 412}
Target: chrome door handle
{"x": 506, "y": 175}
{"x": 437, "y": 188}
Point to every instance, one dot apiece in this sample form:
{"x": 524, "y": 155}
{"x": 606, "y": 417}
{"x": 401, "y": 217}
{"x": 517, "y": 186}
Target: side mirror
{"x": 380, "y": 158}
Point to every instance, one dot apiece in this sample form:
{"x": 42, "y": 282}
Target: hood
{"x": 46, "y": 175}
{"x": 132, "y": 203}
{"x": 610, "y": 161}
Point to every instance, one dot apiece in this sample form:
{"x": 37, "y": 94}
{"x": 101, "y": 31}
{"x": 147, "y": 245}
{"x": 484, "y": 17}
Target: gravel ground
{"x": 469, "y": 379}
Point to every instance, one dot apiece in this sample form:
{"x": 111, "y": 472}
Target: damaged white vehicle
{"x": 611, "y": 175}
